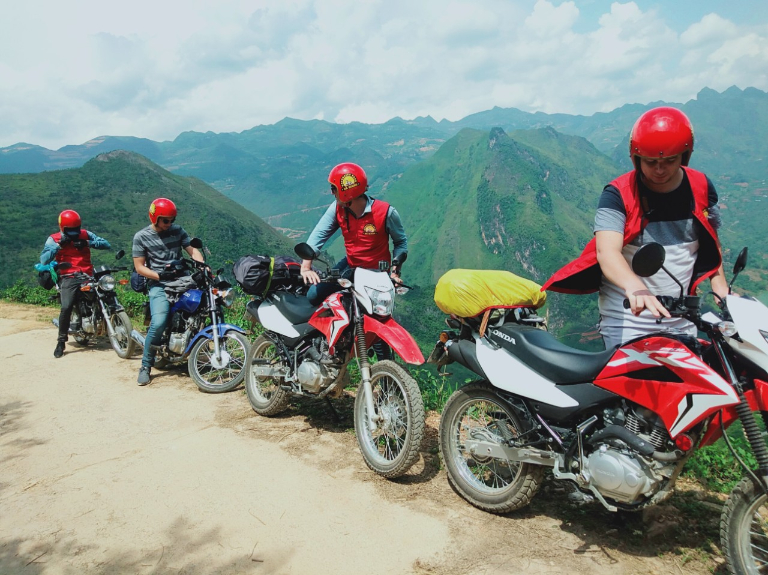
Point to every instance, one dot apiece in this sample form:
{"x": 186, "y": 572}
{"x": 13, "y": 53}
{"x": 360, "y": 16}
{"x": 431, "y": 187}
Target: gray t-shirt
{"x": 159, "y": 249}
{"x": 669, "y": 221}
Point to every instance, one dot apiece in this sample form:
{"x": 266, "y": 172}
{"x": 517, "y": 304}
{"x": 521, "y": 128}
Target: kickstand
{"x": 336, "y": 415}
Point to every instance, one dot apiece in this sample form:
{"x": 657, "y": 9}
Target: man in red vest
{"x": 72, "y": 245}
{"x": 366, "y": 225}
{"x": 661, "y": 200}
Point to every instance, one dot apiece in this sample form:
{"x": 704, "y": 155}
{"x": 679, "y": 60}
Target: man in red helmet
{"x": 661, "y": 200}
{"x": 154, "y": 247}
{"x": 71, "y": 245}
{"x": 366, "y": 225}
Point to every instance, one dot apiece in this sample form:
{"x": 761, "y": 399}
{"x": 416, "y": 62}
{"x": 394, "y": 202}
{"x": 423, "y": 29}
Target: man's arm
{"x": 195, "y": 254}
{"x": 614, "y": 267}
{"x": 97, "y": 243}
{"x": 397, "y": 233}
{"x": 322, "y": 232}
{"x": 139, "y": 264}
{"x": 50, "y": 249}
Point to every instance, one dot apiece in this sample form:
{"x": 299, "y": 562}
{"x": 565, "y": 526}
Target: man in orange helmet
{"x": 662, "y": 200}
{"x": 155, "y": 246}
{"x": 71, "y": 245}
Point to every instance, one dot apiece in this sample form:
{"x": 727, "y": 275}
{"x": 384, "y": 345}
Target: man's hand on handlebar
{"x": 310, "y": 277}
{"x": 644, "y": 299}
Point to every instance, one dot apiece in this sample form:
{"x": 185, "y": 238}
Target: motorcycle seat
{"x": 296, "y": 308}
{"x": 539, "y": 350}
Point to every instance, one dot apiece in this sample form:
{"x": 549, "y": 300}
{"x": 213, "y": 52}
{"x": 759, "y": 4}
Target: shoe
{"x": 59, "y": 351}
{"x": 143, "y": 378}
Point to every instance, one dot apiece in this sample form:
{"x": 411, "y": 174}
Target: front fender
{"x": 207, "y": 333}
{"x": 395, "y": 336}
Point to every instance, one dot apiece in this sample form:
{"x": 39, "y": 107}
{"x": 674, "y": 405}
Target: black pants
{"x": 69, "y": 290}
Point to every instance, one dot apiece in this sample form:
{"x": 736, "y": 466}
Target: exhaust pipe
{"x": 137, "y": 337}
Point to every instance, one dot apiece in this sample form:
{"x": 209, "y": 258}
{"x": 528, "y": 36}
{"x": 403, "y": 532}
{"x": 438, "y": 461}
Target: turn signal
{"x": 684, "y": 442}
{"x": 444, "y": 337}
{"x": 85, "y": 288}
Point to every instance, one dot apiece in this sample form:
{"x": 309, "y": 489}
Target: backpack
{"x": 259, "y": 275}
{"x": 45, "y": 279}
{"x": 138, "y": 283}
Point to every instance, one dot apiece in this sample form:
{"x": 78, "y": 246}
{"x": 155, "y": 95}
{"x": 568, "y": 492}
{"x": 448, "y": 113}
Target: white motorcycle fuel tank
{"x": 751, "y": 319}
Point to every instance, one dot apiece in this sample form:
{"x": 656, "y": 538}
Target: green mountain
{"x": 112, "y": 194}
{"x": 522, "y": 202}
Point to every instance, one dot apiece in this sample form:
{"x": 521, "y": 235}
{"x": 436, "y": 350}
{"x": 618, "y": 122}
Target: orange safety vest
{"x": 79, "y": 258}
{"x": 365, "y": 239}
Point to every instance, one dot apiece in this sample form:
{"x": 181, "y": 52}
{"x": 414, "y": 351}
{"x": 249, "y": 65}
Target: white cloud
{"x": 71, "y": 72}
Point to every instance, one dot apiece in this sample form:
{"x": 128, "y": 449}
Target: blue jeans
{"x": 159, "y": 308}
{"x": 317, "y": 293}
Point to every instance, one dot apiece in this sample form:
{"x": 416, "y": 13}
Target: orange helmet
{"x": 350, "y": 181}
{"x": 69, "y": 219}
{"x": 161, "y": 208}
{"x": 660, "y": 133}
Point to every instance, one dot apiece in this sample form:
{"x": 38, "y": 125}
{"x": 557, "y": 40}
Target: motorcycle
{"x": 98, "y": 312}
{"x": 305, "y": 351}
{"x": 618, "y": 424}
{"x": 215, "y": 353}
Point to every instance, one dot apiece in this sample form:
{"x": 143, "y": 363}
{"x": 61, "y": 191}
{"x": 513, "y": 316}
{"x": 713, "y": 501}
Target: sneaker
{"x": 143, "y": 378}
{"x": 59, "y": 351}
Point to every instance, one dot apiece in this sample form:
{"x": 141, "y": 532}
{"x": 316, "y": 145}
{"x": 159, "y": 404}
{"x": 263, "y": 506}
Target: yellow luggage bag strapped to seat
{"x": 467, "y": 293}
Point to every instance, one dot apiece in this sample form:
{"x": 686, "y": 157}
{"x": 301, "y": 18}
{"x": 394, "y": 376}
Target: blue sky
{"x": 72, "y": 71}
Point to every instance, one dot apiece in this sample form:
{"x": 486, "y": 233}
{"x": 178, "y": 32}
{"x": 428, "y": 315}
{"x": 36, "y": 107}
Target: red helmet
{"x": 69, "y": 219}
{"x": 660, "y": 133}
{"x": 350, "y": 180}
{"x": 161, "y": 208}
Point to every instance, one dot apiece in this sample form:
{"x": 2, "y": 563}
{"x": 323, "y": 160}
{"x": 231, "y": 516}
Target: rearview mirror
{"x": 648, "y": 260}
{"x": 196, "y": 243}
{"x": 741, "y": 261}
{"x": 305, "y": 251}
{"x": 119, "y": 254}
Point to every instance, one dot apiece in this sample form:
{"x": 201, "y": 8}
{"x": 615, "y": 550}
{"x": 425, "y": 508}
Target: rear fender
{"x": 395, "y": 336}
{"x": 207, "y": 333}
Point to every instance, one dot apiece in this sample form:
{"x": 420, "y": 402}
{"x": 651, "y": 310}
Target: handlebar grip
{"x": 626, "y": 303}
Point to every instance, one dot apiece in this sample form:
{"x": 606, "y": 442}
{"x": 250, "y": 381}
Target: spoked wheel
{"x": 744, "y": 529}
{"x": 216, "y": 375}
{"x": 264, "y": 392}
{"x": 393, "y": 446}
{"x": 122, "y": 342}
{"x": 491, "y": 484}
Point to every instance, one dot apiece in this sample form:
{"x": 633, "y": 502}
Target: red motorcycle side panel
{"x": 395, "y": 336}
{"x": 331, "y": 319}
{"x": 756, "y": 398}
{"x": 681, "y": 405}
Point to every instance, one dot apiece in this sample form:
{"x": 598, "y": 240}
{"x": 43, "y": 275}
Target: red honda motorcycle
{"x": 305, "y": 351}
{"x": 618, "y": 424}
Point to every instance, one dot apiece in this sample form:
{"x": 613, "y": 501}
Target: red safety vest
{"x": 79, "y": 258}
{"x": 365, "y": 239}
{"x": 583, "y": 275}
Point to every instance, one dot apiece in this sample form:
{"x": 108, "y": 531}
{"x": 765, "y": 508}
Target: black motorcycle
{"x": 98, "y": 312}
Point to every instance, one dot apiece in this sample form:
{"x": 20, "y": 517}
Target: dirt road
{"x": 98, "y": 475}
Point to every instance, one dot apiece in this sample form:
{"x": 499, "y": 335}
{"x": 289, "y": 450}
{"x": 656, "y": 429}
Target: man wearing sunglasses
{"x": 662, "y": 200}
{"x": 71, "y": 245}
{"x": 154, "y": 247}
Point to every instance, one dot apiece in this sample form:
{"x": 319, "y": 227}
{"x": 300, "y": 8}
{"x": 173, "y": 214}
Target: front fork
{"x": 365, "y": 369}
{"x": 107, "y": 317}
{"x": 214, "y": 324}
{"x": 748, "y": 421}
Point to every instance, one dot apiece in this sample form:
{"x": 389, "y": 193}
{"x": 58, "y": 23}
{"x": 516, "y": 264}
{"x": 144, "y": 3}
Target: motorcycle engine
{"x": 315, "y": 371}
{"x": 180, "y": 334}
{"x": 618, "y": 474}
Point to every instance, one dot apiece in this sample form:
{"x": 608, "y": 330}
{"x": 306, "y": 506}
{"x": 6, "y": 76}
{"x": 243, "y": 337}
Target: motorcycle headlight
{"x": 107, "y": 283}
{"x": 383, "y": 301}
{"x": 227, "y": 297}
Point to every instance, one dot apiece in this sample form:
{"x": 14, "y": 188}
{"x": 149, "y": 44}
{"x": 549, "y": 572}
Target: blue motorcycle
{"x": 215, "y": 351}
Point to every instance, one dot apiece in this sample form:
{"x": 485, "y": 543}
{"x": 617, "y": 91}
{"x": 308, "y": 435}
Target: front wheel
{"x": 217, "y": 375}
{"x": 744, "y": 529}
{"x": 490, "y": 484}
{"x": 264, "y": 393}
{"x": 393, "y": 446}
{"x": 122, "y": 342}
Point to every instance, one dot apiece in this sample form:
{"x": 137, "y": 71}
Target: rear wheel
{"x": 225, "y": 373}
{"x": 122, "y": 342}
{"x": 264, "y": 392}
{"x": 393, "y": 446}
{"x": 488, "y": 483}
